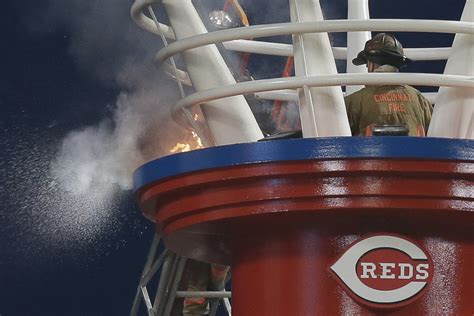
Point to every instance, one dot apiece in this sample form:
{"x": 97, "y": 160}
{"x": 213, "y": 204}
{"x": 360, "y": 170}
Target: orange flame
{"x": 194, "y": 143}
{"x": 180, "y": 148}
{"x": 197, "y": 139}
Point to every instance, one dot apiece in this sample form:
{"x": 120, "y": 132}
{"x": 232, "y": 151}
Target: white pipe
{"x": 270, "y": 48}
{"x": 281, "y": 95}
{"x": 146, "y": 23}
{"x": 292, "y": 96}
{"x": 230, "y": 121}
{"x": 279, "y": 49}
{"x": 453, "y": 115}
{"x": 356, "y": 9}
{"x": 257, "y": 47}
{"x": 256, "y": 31}
{"x": 322, "y": 109}
{"x": 433, "y": 53}
{"x": 178, "y": 74}
{"x": 274, "y": 49}
{"x": 434, "y": 80}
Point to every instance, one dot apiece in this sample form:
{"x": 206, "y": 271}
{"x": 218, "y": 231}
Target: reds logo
{"x": 384, "y": 271}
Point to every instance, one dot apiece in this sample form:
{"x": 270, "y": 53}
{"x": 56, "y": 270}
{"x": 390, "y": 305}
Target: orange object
{"x": 277, "y": 114}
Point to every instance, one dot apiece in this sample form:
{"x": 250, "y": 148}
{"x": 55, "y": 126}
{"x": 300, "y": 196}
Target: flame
{"x": 197, "y": 139}
{"x": 194, "y": 143}
{"x": 180, "y": 148}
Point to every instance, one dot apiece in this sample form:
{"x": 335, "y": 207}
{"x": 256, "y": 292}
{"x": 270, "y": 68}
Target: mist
{"x": 67, "y": 189}
{"x": 109, "y": 49}
{"x": 90, "y": 172}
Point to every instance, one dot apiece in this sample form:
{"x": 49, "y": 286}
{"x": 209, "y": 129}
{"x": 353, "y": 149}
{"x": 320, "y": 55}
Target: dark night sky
{"x": 59, "y": 76}
{"x": 46, "y": 93}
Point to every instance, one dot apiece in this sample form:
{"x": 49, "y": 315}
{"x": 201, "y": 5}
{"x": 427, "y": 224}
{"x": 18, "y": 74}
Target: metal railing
{"x": 257, "y": 31}
{"x": 323, "y": 81}
{"x": 236, "y": 40}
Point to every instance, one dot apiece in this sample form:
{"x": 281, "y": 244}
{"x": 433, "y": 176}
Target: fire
{"x": 180, "y": 148}
{"x": 194, "y": 143}
{"x": 197, "y": 139}
{"x": 191, "y": 140}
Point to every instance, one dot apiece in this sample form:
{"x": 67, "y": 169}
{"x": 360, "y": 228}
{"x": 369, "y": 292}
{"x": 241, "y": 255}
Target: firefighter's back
{"x": 388, "y": 105}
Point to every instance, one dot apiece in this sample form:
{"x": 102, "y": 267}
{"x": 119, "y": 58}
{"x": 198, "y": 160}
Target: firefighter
{"x": 382, "y": 105}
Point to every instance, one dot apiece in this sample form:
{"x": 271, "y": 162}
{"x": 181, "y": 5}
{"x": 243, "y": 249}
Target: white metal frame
{"x": 257, "y": 31}
{"x": 235, "y": 38}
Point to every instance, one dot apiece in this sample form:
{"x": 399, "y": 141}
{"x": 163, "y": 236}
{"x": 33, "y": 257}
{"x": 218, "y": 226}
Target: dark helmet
{"x": 382, "y": 49}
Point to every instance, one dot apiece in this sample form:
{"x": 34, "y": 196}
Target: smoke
{"x": 41, "y": 218}
{"x": 68, "y": 194}
{"x": 99, "y": 157}
{"x": 103, "y": 40}
{"x": 109, "y": 48}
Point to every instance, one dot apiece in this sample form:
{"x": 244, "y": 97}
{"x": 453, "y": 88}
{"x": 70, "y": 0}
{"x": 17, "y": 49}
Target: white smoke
{"x": 74, "y": 189}
{"x": 111, "y": 50}
{"x": 99, "y": 157}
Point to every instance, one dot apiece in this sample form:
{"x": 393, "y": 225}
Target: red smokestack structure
{"x": 329, "y": 226}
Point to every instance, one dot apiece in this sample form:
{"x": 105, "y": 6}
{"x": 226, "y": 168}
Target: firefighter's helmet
{"x": 382, "y": 49}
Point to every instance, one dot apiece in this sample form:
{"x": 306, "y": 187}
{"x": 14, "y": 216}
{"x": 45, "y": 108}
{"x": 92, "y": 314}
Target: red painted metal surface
{"x": 286, "y": 267}
{"x": 281, "y": 225}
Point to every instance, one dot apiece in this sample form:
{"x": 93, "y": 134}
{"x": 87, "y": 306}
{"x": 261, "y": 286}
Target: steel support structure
{"x": 169, "y": 267}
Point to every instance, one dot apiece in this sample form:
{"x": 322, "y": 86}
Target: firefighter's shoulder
{"x": 359, "y": 94}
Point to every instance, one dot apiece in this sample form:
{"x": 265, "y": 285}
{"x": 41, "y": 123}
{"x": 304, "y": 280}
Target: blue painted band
{"x": 304, "y": 149}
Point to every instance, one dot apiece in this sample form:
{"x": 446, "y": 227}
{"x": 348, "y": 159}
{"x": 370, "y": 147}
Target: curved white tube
{"x": 434, "y": 80}
{"x": 146, "y": 23}
{"x": 256, "y": 31}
